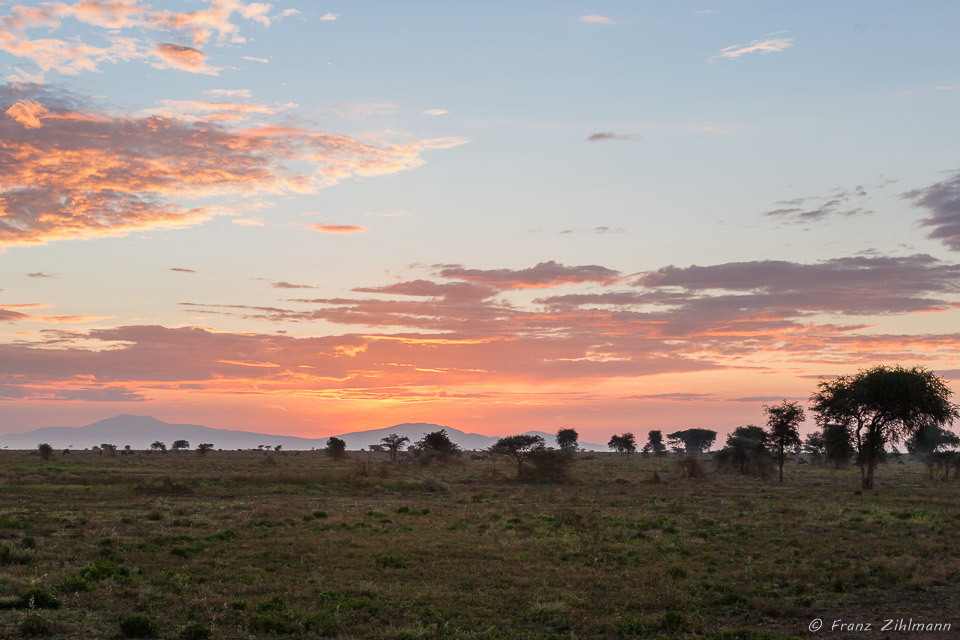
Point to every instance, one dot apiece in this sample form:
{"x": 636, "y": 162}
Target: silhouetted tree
{"x": 436, "y": 442}
{"x": 626, "y": 443}
{"x": 180, "y": 445}
{"x": 745, "y": 450}
{"x": 655, "y": 444}
{"x": 816, "y": 446}
{"x": 45, "y": 450}
{"x": 931, "y": 439}
{"x": 695, "y": 441}
{"x": 278, "y": 447}
{"x": 783, "y": 429}
{"x": 837, "y": 444}
{"x": 567, "y": 439}
{"x": 883, "y": 404}
{"x": 376, "y": 448}
{"x": 204, "y": 448}
{"x": 111, "y": 449}
{"x": 394, "y": 443}
{"x": 156, "y": 445}
{"x": 519, "y": 447}
{"x": 336, "y": 448}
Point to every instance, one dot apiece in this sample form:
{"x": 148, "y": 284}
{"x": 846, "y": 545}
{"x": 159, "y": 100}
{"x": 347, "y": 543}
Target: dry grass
{"x": 245, "y": 546}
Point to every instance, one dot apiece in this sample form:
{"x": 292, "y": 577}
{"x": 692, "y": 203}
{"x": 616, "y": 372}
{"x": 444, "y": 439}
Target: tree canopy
{"x": 783, "y": 428}
{"x": 655, "y": 444}
{"x": 883, "y": 405}
{"x": 336, "y": 448}
{"x": 626, "y": 443}
{"x": 694, "y": 441}
{"x": 519, "y": 447}
{"x": 567, "y": 439}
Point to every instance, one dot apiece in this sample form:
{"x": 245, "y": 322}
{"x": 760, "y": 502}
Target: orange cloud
{"x": 337, "y": 228}
{"x": 83, "y": 175}
{"x": 177, "y": 56}
{"x": 27, "y": 113}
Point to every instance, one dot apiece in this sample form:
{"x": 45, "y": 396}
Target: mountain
{"x": 140, "y": 431}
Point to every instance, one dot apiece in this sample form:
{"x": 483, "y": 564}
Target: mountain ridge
{"x": 140, "y": 431}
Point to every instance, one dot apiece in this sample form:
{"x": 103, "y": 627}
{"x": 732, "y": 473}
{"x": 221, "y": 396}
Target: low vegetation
{"x": 229, "y": 545}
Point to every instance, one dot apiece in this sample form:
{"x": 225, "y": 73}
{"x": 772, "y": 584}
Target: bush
{"x": 37, "y": 598}
{"x": 195, "y": 631}
{"x": 548, "y": 465}
{"x": 138, "y": 626}
{"x": 690, "y": 467}
{"x": 33, "y": 626}
{"x": 45, "y": 450}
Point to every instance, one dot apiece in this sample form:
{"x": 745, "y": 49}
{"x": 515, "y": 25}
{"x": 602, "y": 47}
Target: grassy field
{"x": 253, "y": 545}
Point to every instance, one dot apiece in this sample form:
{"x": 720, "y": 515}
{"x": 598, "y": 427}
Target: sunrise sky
{"x": 310, "y": 218}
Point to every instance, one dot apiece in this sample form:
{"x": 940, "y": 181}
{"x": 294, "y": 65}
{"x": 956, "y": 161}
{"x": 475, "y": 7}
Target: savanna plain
{"x": 299, "y": 545}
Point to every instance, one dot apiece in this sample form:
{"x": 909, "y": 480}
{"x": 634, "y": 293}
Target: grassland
{"x": 253, "y": 545}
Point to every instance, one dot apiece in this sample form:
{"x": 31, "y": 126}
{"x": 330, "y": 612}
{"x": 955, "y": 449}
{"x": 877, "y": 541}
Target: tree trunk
{"x": 868, "y": 479}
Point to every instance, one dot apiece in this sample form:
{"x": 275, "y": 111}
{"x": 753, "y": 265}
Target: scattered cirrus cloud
{"x": 228, "y": 93}
{"x": 840, "y": 202}
{"x": 607, "y": 136}
{"x": 256, "y": 59}
{"x": 598, "y": 230}
{"x": 595, "y": 19}
{"x": 40, "y": 274}
{"x": 248, "y": 222}
{"x": 225, "y": 111}
{"x": 182, "y": 270}
{"x": 329, "y": 17}
{"x": 762, "y": 45}
{"x": 435, "y": 112}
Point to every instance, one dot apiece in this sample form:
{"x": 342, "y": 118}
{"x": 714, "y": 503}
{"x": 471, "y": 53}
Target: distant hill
{"x": 140, "y": 431}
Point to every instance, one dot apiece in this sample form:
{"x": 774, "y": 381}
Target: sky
{"x": 308, "y": 218}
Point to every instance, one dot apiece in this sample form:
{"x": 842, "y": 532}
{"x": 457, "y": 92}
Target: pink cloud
{"x": 184, "y": 58}
{"x": 324, "y": 227}
{"x": 85, "y": 174}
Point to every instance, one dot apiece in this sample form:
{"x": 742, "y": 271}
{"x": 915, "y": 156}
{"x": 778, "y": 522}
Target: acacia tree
{"x": 655, "y": 444}
{"x": 179, "y": 445}
{"x": 746, "y": 447}
{"x": 204, "y": 448}
{"x": 695, "y": 441}
{"x": 626, "y": 443}
{"x": 567, "y": 439}
{"x": 783, "y": 428}
{"x": 393, "y": 443}
{"x": 519, "y": 447}
{"x": 156, "y": 445}
{"x": 883, "y": 404}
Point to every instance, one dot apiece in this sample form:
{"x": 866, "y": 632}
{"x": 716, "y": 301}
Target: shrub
{"x": 37, "y": 598}
{"x": 690, "y": 467}
{"x": 138, "y": 625}
{"x": 195, "y": 631}
{"x": 548, "y": 465}
{"x": 322, "y": 623}
{"x": 33, "y": 626}
{"x": 12, "y": 556}
{"x": 45, "y": 450}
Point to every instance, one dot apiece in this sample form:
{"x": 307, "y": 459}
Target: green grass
{"x": 232, "y": 546}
